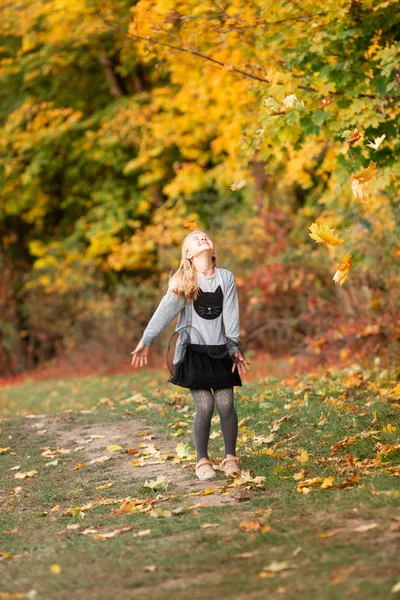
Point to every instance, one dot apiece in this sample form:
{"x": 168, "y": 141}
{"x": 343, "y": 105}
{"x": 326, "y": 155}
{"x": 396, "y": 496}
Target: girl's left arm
{"x": 230, "y": 315}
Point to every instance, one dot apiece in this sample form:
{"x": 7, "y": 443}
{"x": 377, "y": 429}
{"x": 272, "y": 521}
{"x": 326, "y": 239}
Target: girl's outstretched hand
{"x": 242, "y": 364}
{"x": 139, "y": 358}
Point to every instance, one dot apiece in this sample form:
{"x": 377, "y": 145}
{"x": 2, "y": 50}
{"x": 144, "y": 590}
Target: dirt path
{"x": 91, "y": 441}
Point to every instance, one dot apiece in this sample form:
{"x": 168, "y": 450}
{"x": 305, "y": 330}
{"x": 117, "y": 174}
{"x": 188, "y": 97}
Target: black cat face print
{"x": 208, "y": 305}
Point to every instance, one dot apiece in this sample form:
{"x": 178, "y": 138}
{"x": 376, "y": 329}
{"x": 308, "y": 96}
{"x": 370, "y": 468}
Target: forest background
{"x": 126, "y": 124}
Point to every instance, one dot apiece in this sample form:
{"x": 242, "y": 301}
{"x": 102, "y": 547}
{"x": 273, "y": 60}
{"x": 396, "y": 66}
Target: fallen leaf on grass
{"x": 99, "y": 460}
{"x": 106, "y": 535}
{"x": 204, "y": 492}
{"x": 56, "y": 569}
{"x": 27, "y": 475}
{"x": 104, "y": 487}
{"x": 328, "y": 534}
{"x": 150, "y": 568}
{"x": 366, "y": 527}
{"x": 396, "y": 588}
{"x": 79, "y": 466}
{"x": 4, "y": 450}
{"x": 159, "y": 513}
{"x": 52, "y": 463}
{"x": 142, "y": 533}
{"x": 161, "y": 483}
{"x": 302, "y": 457}
{"x": 113, "y": 448}
{"x": 247, "y": 554}
{"x": 250, "y": 526}
{"x": 206, "y": 525}
{"x": 277, "y": 567}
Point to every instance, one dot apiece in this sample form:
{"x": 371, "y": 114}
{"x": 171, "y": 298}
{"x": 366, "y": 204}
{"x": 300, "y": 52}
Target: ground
{"x": 99, "y": 499}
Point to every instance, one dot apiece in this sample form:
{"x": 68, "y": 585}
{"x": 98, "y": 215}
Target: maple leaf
{"x": 322, "y": 234}
{"x": 290, "y": 101}
{"x": 237, "y": 185}
{"x": 343, "y": 269}
{"x": 352, "y": 136}
{"x": 326, "y": 102}
{"x": 377, "y": 142}
{"x": 273, "y": 77}
{"x": 359, "y": 180}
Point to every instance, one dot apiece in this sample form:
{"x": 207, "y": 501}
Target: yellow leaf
{"x": 113, "y": 448}
{"x": 302, "y": 457}
{"x": 327, "y": 482}
{"x": 104, "y": 487}
{"x": 27, "y": 475}
{"x": 322, "y": 234}
{"x": 343, "y": 270}
{"x": 56, "y": 569}
{"x": 4, "y": 450}
{"x": 389, "y": 428}
{"x": 358, "y": 181}
{"x": 250, "y": 526}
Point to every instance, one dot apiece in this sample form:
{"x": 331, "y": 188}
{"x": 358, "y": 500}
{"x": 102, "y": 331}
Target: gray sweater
{"x": 223, "y": 330}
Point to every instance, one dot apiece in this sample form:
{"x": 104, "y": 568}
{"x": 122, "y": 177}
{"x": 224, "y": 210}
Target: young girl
{"x": 206, "y": 357}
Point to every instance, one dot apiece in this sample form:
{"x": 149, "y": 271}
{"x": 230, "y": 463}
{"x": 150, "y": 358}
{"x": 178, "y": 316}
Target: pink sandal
{"x": 230, "y": 464}
{"x": 204, "y": 469}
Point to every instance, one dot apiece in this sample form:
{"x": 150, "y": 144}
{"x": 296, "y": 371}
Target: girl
{"x": 206, "y": 357}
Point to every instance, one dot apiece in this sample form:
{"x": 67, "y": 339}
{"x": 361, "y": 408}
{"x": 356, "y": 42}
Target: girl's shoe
{"x": 204, "y": 469}
{"x": 230, "y": 464}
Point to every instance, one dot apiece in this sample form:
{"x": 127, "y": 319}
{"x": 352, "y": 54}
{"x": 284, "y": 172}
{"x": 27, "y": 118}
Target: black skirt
{"x": 205, "y": 367}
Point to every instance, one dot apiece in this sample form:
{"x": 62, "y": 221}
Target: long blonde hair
{"x": 185, "y": 281}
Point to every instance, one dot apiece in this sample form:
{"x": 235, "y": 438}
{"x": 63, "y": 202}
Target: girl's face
{"x": 198, "y": 243}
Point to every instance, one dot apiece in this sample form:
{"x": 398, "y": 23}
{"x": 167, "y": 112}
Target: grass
{"x": 321, "y": 543}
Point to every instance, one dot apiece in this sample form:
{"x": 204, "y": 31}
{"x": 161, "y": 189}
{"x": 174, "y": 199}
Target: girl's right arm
{"x": 169, "y": 307}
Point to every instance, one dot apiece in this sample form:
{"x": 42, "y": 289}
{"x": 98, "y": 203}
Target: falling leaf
{"x": 377, "y": 142}
{"x": 352, "y": 136}
{"x": 322, "y": 234}
{"x": 326, "y": 102}
{"x": 56, "y": 569}
{"x": 343, "y": 270}
{"x": 190, "y": 224}
{"x": 239, "y": 183}
{"x": 360, "y": 179}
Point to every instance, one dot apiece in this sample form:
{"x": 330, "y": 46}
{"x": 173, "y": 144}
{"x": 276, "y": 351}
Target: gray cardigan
{"x": 171, "y": 306}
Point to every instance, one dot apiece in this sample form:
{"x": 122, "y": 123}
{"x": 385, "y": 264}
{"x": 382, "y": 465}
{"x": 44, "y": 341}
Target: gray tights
{"x": 204, "y": 400}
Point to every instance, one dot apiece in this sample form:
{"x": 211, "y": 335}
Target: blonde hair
{"x": 185, "y": 281}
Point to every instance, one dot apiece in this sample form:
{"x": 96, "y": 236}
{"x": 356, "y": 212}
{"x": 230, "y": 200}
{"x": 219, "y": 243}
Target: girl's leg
{"x": 204, "y": 401}
{"x": 228, "y": 418}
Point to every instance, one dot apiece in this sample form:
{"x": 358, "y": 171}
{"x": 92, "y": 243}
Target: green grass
{"x": 315, "y": 532}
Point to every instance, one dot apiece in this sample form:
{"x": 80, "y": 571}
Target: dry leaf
{"x": 377, "y": 142}
{"x": 113, "y": 448}
{"x": 250, "y": 526}
{"x": 238, "y": 184}
{"x": 366, "y": 527}
{"x": 27, "y": 475}
{"x": 276, "y": 567}
{"x": 302, "y": 457}
{"x": 322, "y": 234}
{"x": 343, "y": 270}
{"x": 326, "y": 102}
{"x": 358, "y": 181}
